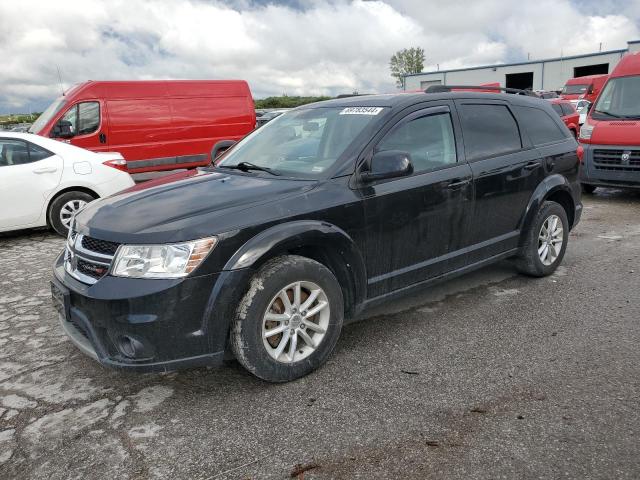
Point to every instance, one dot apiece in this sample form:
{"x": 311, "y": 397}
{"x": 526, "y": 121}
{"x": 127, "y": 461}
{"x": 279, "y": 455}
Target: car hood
{"x": 185, "y": 206}
{"x": 615, "y": 132}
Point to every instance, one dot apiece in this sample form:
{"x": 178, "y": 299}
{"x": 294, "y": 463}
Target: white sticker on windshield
{"x": 361, "y": 111}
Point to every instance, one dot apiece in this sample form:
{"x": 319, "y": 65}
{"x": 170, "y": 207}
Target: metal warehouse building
{"x": 549, "y": 74}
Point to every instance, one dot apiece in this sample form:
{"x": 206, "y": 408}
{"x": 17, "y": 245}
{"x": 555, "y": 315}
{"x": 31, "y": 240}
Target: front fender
{"x": 547, "y": 187}
{"x": 327, "y": 239}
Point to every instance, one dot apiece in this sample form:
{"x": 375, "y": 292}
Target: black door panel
{"x": 503, "y": 187}
{"x": 412, "y": 224}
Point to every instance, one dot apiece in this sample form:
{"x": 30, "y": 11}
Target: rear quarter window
{"x": 539, "y": 125}
{"x": 489, "y": 130}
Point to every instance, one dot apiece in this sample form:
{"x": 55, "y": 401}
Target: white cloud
{"x": 327, "y": 47}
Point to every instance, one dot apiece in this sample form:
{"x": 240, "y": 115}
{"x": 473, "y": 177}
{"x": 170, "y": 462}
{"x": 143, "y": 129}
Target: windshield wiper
{"x": 246, "y": 166}
{"x": 607, "y": 113}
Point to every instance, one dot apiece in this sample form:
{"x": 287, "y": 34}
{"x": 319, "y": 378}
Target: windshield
{"x": 44, "y": 118}
{"x": 620, "y": 98}
{"x": 302, "y": 143}
{"x": 574, "y": 89}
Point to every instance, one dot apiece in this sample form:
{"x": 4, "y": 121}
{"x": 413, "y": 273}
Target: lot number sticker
{"x": 361, "y": 111}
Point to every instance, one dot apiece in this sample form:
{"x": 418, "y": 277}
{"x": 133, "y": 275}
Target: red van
{"x": 587, "y": 87}
{"x": 155, "y": 125}
{"x": 611, "y": 133}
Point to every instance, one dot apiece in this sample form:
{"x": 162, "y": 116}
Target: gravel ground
{"x": 493, "y": 375}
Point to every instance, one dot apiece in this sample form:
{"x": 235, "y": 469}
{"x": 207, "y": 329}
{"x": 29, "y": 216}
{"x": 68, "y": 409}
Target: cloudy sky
{"x": 293, "y": 47}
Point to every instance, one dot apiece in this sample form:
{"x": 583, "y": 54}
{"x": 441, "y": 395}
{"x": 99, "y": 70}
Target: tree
{"x": 405, "y": 62}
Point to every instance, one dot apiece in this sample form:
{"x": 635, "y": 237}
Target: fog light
{"x": 130, "y": 347}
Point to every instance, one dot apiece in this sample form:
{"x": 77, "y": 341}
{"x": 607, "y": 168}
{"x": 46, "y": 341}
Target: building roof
{"x": 545, "y": 60}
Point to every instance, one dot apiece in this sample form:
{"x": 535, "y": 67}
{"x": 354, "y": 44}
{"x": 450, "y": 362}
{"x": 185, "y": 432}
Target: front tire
{"x": 545, "y": 241}
{"x": 289, "y": 321}
{"x": 64, "y": 207}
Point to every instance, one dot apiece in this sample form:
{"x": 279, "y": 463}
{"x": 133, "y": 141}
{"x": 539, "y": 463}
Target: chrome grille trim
{"x": 75, "y": 253}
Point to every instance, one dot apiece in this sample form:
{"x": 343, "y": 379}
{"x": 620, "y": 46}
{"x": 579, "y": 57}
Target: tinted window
{"x": 429, "y": 140}
{"x": 489, "y": 130}
{"x": 19, "y": 152}
{"x": 540, "y": 126}
{"x": 557, "y": 108}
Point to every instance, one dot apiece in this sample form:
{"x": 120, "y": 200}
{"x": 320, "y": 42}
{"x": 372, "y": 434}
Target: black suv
{"x": 327, "y": 210}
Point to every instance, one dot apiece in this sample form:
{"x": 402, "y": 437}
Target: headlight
{"x": 586, "y": 130}
{"x": 161, "y": 261}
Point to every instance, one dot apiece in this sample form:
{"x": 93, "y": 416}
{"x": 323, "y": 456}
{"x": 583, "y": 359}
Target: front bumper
{"x": 604, "y": 166}
{"x": 148, "y": 325}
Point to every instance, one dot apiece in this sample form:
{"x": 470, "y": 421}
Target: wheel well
{"x": 564, "y": 198}
{"x": 331, "y": 259}
{"x": 88, "y": 191}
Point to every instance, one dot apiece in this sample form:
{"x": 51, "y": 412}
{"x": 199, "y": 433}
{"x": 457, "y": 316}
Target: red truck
{"x": 587, "y": 87}
{"x": 154, "y": 125}
{"x": 568, "y": 114}
{"x": 610, "y": 135}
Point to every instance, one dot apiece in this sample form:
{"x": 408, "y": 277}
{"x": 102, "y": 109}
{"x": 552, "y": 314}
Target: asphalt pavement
{"x": 492, "y": 375}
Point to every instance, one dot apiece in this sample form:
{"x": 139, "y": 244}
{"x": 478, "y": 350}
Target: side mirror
{"x": 388, "y": 164}
{"x": 62, "y": 129}
{"x": 220, "y": 147}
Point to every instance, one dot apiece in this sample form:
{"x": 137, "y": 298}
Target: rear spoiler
{"x": 449, "y": 88}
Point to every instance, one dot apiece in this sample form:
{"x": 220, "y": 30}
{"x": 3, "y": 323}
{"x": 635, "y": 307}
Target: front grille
{"x": 88, "y": 259}
{"x": 103, "y": 247}
{"x": 616, "y": 160}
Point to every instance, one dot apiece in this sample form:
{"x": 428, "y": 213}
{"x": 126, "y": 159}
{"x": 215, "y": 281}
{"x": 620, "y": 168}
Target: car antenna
{"x": 60, "y": 80}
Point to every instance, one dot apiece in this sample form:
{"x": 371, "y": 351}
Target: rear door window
{"x": 489, "y": 130}
{"x": 539, "y": 125}
{"x": 18, "y": 152}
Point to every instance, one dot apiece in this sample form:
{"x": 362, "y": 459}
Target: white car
{"x": 45, "y": 182}
{"x": 582, "y": 106}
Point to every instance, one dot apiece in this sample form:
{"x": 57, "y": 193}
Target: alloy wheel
{"x": 296, "y": 322}
{"x": 550, "y": 240}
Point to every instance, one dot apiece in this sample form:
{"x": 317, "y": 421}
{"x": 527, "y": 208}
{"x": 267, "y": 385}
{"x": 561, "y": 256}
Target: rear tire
{"x": 545, "y": 241}
{"x": 63, "y": 208}
{"x": 586, "y": 188}
{"x": 305, "y": 338}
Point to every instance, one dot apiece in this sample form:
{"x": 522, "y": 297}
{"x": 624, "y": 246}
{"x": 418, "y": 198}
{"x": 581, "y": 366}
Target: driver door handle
{"x": 532, "y": 165}
{"x": 45, "y": 170}
{"x": 457, "y": 183}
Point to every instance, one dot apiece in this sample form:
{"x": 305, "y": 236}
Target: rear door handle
{"x": 532, "y": 165}
{"x": 45, "y": 170}
{"x": 457, "y": 183}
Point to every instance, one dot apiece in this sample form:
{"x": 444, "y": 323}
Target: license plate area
{"x": 60, "y": 300}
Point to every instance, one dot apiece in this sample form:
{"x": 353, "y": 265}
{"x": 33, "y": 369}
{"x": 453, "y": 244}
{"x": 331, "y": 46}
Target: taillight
{"x": 580, "y": 152}
{"x": 119, "y": 164}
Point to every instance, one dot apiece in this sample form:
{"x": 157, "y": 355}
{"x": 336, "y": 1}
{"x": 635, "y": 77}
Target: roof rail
{"x": 448, "y": 88}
